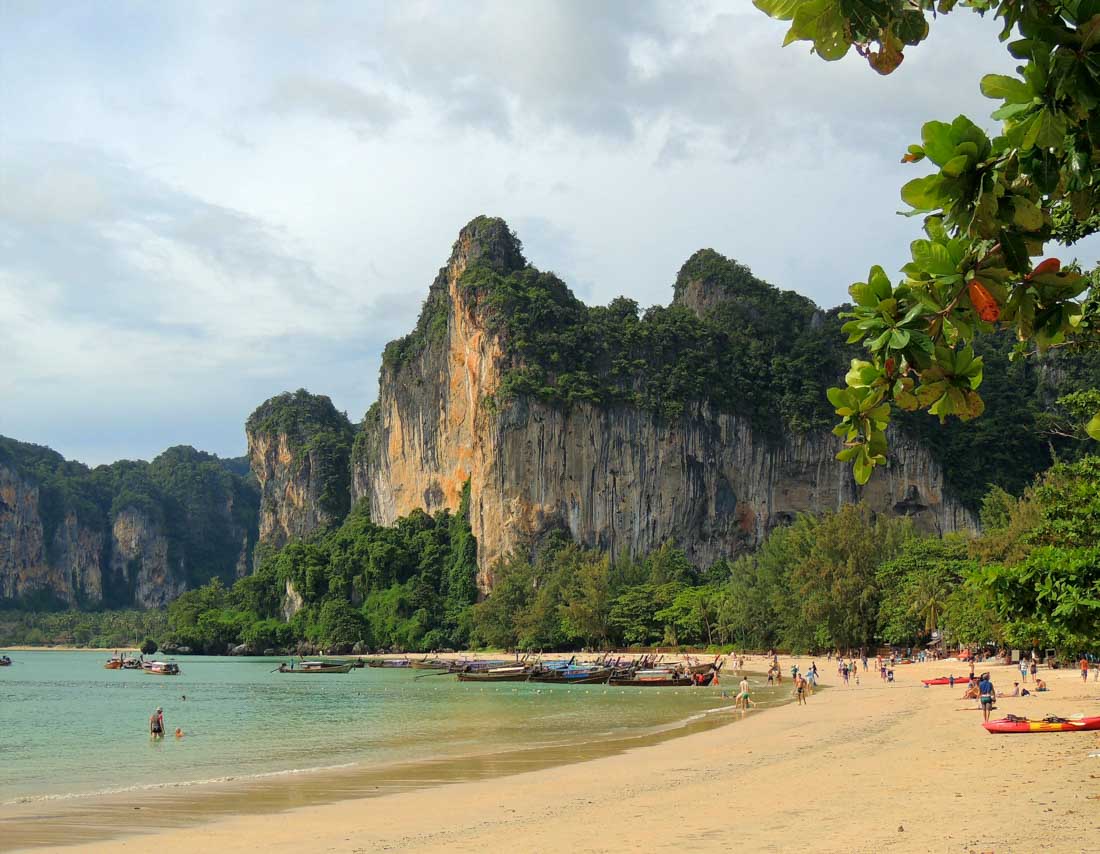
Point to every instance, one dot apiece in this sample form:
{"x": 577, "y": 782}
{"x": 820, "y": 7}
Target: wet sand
{"x": 870, "y": 768}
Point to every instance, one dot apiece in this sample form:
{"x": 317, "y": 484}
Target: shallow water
{"x": 77, "y": 765}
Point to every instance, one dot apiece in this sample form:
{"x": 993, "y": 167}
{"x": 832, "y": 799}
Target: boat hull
{"x": 334, "y": 668}
{"x": 598, "y": 677}
{"x": 673, "y": 682}
{"x": 493, "y": 677}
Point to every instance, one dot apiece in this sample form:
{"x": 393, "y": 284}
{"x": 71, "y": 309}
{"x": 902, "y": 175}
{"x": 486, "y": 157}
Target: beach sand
{"x": 859, "y": 769}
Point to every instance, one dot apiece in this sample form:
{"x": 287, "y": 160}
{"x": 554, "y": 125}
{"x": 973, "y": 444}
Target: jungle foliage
{"x": 410, "y": 586}
{"x": 183, "y": 492}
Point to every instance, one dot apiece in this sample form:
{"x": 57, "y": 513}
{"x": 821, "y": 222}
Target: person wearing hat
{"x": 156, "y": 723}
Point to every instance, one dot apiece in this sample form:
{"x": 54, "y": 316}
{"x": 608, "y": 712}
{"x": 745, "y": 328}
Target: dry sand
{"x": 871, "y": 768}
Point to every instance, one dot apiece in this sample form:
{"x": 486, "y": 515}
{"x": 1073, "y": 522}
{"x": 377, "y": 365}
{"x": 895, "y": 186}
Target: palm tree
{"x": 930, "y": 594}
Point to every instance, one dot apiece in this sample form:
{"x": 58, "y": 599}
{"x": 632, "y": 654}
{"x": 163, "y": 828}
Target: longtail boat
{"x": 113, "y": 664}
{"x": 476, "y": 666}
{"x": 668, "y": 680}
{"x": 316, "y": 667}
{"x": 515, "y": 673}
{"x": 430, "y": 664}
{"x": 389, "y": 662}
{"x": 573, "y": 676}
{"x": 163, "y": 668}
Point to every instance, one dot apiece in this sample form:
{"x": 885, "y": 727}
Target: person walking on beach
{"x": 800, "y": 689}
{"x": 156, "y": 723}
{"x": 986, "y": 695}
{"x": 1023, "y": 669}
{"x": 1084, "y": 665}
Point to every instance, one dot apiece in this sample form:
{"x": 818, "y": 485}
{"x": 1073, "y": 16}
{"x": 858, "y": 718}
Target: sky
{"x": 205, "y": 204}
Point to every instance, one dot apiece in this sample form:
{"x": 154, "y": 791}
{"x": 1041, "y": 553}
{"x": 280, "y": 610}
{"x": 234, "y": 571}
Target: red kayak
{"x": 946, "y": 680}
{"x": 1015, "y": 724}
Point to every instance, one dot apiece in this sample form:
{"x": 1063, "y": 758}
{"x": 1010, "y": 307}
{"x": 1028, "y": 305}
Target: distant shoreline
{"x": 67, "y": 648}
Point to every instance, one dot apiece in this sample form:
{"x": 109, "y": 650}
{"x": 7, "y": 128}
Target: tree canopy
{"x": 990, "y": 206}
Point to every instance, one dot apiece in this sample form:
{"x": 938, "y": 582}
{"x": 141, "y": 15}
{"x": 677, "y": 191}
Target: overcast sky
{"x": 205, "y": 204}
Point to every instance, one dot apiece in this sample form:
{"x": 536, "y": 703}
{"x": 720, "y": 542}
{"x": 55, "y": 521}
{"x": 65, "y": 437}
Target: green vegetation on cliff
{"x": 409, "y": 586}
{"x": 318, "y": 434}
{"x": 207, "y": 514}
{"x": 760, "y": 352}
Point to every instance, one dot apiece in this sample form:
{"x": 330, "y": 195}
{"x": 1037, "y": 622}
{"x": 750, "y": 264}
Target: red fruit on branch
{"x": 1050, "y": 265}
{"x": 987, "y": 307}
{"x": 890, "y": 367}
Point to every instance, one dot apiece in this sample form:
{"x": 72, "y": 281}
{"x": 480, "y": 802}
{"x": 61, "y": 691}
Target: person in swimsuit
{"x": 156, "y": 723}
{"x": 800, "y": 689}
{"x": 743, "y": 701}
{"x": 986, "y": 695}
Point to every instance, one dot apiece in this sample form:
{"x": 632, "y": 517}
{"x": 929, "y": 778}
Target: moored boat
{"x": 162, "y": 668}
{"x": 665, "y": 679}
{"x": 430, "y": 664}
{"x": 113, "y": 664}
{"x": 572, "y": 676}
{"x": 515, "y": 673}
{"x": 947, "y": 680}
{"x": 1013, "y": 724}
{"x": 316, "y": 667}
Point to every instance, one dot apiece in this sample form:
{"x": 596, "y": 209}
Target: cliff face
{"x": 140, "y": 560}
{"x": 71, "y": 571}
{"x": 299, "y": 448}
{"x": 132, "y": 534}
{"x": 614, "y": 476}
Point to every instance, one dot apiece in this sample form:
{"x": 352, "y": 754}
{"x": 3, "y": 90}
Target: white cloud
{"x": 201, "y": 206}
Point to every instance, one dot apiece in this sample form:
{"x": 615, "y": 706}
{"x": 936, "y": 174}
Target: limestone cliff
{"x": 299, "y": 447}
{"x": 140, "y": 560}
{"x": 613, "y": 473}
{"x": 132, "y": 534}
{"x": 69, "y": 570}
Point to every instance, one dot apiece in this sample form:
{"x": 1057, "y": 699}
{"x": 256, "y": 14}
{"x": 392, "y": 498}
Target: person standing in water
{"x": 743, "y": 701}
{"x": 156, "y": 723}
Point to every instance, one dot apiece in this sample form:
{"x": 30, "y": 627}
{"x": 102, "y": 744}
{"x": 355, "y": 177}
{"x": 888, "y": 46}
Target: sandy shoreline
{"x": 64, "y": 648}
{"x": 868, "y": 768}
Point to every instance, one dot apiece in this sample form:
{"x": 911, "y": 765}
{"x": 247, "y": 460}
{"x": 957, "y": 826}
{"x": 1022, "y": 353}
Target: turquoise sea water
{"x": 70, "y": 727}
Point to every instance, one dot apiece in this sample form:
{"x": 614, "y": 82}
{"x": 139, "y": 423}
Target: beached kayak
{"x": 946, "y": 680}
{"x": 1015, "y": 724}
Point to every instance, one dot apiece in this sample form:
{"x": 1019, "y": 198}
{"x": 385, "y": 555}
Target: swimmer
{"x": 179, "y": 733}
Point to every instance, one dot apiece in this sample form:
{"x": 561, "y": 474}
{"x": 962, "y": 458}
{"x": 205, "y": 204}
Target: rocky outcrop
{"x": 140, "y": 560}
{"x": 69, "y": 570}
{"x": 614, "y": 476}
{"x": 299, "y": 447}
{"x": 132, "y": 534}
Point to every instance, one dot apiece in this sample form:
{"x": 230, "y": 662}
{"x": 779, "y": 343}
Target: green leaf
{"x": 899, "y": 339}
{"x": 924, "y": 194}
{"x": 1093, "y": 427}
{"x": 821, "y": 22}
{"x": 956, "y": 166}
{"x": 782, "y": 10}
{"x": 880, "y": 282}
{"x": 1049, "y": 131}
{"x": 1010, "y": 89}
{"x": 938, "y": 141}
{"x": 1026, "y": 214}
